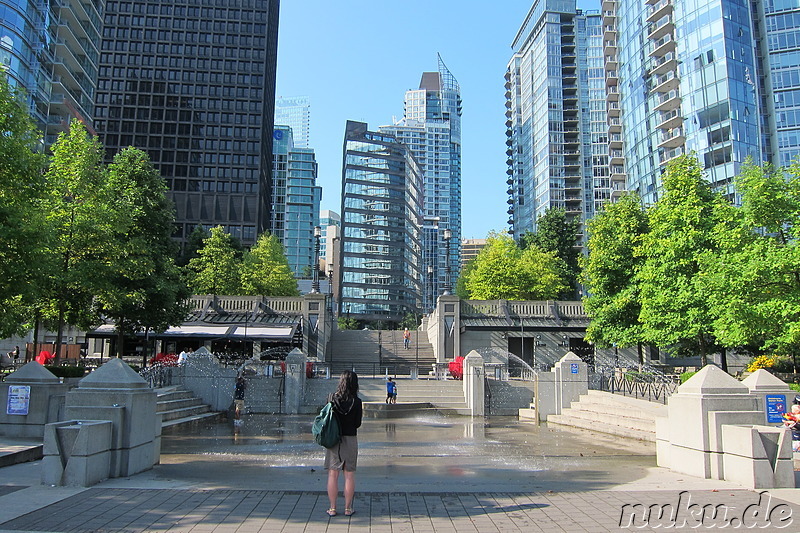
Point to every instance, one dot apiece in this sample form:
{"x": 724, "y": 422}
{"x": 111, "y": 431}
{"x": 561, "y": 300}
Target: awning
{"x": 110, "y": 330}
{"x": 274, "y": 333}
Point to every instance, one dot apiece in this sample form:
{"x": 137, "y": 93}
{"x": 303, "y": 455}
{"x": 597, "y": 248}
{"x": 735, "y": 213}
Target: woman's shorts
{"x": 343, "y": 456}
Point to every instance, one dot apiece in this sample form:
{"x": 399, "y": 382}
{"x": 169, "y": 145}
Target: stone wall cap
{"x": 711, "y": 379}
{"x": 570, "y": 356}
{"x": 32, "y": 372}
{"x": 762, "y": 380}
{"x": 115, "y": 374}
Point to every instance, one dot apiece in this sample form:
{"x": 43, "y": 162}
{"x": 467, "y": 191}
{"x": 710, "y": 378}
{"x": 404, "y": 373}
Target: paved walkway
{"x": 419, "y": 475}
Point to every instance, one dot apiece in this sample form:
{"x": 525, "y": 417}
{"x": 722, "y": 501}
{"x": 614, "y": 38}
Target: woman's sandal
{"x": 331, "y": 512}
{"x": 348, "y": 511}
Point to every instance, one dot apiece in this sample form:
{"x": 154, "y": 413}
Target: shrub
{"x": 686, "y": 375}
{"x": 762, "y": 361}
{"x": 67, "y": 371}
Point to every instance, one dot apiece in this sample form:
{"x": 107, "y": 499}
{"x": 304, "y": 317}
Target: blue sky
{"x": 355, "y": 60}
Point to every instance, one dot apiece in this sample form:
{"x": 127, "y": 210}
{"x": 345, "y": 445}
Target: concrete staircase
{"x": 370, "y": 352}
{"x": 263, "y": 395}
{"x": 611, "y": 414}
{"x": 179, "y": 406}
{"x": 445, "y": 396}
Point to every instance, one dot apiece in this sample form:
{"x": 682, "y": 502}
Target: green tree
{"x": 612, "y": 299}
{"x": 756, "y": 277}
{"x": 193, "y": 243}
{"x": 461, "y": 283}
{"x": 143, "y": 288}
{"x": 22, "y": 227}
{"x": 216, "y": 269}
{"x": 557, "y": 234}
{"x": 503, "y": 271}
{"x": 81, "y": 222}
{"x": 265, "y": 269}
{"x": 675, "y": 303}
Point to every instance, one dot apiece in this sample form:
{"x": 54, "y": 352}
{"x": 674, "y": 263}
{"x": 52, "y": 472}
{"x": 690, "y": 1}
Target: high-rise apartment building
{"x": 685, "y": 76}
{"x": 330, "y": 224}
{"x": 470, "y": 248}
{"x": 192, "y": 82}
{"x": 381, "y": 249}
{"x": 555, "y": 100}
{"x": 51, "y": 49}
{"x": 295, "y": 112}
{"x": 431, "y": 129}
{"x": 295, "y": 200}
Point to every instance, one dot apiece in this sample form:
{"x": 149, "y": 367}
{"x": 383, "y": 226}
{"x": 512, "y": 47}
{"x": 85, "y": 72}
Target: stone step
{"x": 184, "y": 412}
{"x": 169, "y": 405}
{"x": 14, "y": 452}
{"x": 602, "y": 420}
{"x": 210, "y": 416}
{"x": 397, "y": 410}
{"x": 619, "y": 431}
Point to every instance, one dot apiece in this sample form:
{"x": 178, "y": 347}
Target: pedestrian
{"x": 14, "y": 354}
{"x": 406, "y": 338}
{"x": 344, "y": 456}
{"x": 182, "y": 357}
{"x": 238, "y": 396}
{"x": 391, "y": 388}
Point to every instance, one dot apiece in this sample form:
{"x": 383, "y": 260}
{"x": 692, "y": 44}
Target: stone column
{"x": 771, "y": 393}
{"x": 448, "y": 344}
{"x": 77, "y": 453}
{"x": 572, "y": 380}
{"x": 294, "y": 385}
{"x": 117, "y": 393}
{"x": 37, "y": 397}
{"x": 473, "y": 383}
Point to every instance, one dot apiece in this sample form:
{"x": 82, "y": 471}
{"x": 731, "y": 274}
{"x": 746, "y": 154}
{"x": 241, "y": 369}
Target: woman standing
{"x": 344, "y": 456}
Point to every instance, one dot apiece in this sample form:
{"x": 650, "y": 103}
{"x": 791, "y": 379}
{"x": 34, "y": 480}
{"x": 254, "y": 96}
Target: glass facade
{"x": 431, "y": 129}
{"x": 379, "y": 275}
{"x": 295, "y": 200}
{"x": 295, "y": 112}
{"x": 50, "y": 49}
{"x": 192, "y": 82}
{"x": 555, "y": 116}
{"x": 330, "y": 224}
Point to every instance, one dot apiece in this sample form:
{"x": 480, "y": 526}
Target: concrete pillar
{"x": 758, "y": 457}
{"x": 774, "y": 397}
{"x": 294, "y": 384}
{"x": 208, "y": 380}
{"x": 544, "y": 396}
{"x": 37, "y": 398}
{"x": 115, "y": 392}
{"x": 448, "y": 339}
{"x": 690, "y": 441}
{"x": 473, "y": 383}
{"x": 572, "y": 380}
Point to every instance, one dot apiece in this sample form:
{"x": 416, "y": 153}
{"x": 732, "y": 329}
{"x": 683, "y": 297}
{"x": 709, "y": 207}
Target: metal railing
{"x": 158, "y": 376}
{"x": 648, "y": 384}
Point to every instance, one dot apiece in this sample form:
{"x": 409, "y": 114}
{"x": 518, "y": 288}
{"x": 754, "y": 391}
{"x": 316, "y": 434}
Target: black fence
{"x": 653, "y": 386}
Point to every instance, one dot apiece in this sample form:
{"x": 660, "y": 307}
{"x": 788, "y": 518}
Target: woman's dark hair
{"x": 348, "y": 386}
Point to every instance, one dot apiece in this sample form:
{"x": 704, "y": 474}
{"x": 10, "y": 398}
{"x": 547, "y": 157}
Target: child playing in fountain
{"x": 391, "y": 391}
{"x": 238, "y": 398}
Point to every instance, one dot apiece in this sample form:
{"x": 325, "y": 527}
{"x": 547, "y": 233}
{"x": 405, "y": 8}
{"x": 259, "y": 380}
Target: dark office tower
{"x": 381, "y": 217}
{"x": 192, "y": 82}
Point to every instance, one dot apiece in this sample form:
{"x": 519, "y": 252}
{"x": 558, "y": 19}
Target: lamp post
{"x": 429, "y": 287}
{"x": 330, "y": 285}
{"x": 315, "y": 266}
{"x": 447, "y": 235}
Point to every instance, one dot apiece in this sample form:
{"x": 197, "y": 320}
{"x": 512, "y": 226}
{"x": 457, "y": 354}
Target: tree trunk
{"x": 703, "y": 354}
{"x": 723, "y": 361}
{"x": 120, "y": 338}
{"x": 59, "y": 333}
{"x": 36, "y": 322}
{"x": 640, "y": 352}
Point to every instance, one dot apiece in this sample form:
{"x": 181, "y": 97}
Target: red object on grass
{"x": 456, "y": 367}
{"x": 45, "y": 357}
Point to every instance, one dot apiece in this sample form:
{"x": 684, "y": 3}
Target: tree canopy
{"x": 216, "y": 269}
{"x": 265, "y": 269}
{"x": 557, "y": 234}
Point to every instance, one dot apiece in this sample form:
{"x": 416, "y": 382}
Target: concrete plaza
{"x": 430, "y": 473}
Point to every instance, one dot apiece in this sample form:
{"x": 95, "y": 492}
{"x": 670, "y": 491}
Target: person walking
{"x": 391, "y": 390}
{"x": 406, "y": 338}
{"x": 238, "y": 396}
{"x": 344, "y": 456}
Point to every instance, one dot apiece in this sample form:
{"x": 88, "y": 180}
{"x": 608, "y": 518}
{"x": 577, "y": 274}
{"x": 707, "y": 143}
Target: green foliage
{"x": 265, "y": 270}
{"x": 193, "y": 243}
{"x": 675, "y": 305}
{"x": 686, "y": 375}
{"x": 347, "y": 323}
{"x": 503, "y": 271}
{"x": 461, "y": 283}
{"x": 610, "y": 270}
{"x": 216, "y": 270}
{"x": 22, "y": 227}
{"x": 66, "y": 371}
{"x": 557, "y": 234}
{"x": 410, "y": 321}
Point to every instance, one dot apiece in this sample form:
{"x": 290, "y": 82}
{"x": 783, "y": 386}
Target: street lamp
{"x": 447, "y": 235}
{"x": 315, "y": 266}
{"x": 330, "y": 284}
{"x": 429, "y": 286}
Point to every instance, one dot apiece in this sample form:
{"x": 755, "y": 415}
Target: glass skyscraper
{"x": 192, "y": 82}
{"x": 555, "y": 116}
{"x": 295, "y": 112}
{"x": 296, "y": 198}
{"x": 431, "y": 129}
{"x": 379, "y": 278}
{"x": 51, "y": 49}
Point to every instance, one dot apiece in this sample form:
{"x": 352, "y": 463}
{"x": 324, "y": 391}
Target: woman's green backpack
{"x": 326, "y": 427}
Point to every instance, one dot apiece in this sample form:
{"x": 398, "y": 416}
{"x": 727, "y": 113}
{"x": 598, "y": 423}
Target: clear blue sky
{"x": 355, "y": 60}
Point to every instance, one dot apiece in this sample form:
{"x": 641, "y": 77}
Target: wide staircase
{"x": 612, "y": 414}
{"x": 422, "y": 395}
{"x": 372, "y": 352}
{"x": 179, "y": 406}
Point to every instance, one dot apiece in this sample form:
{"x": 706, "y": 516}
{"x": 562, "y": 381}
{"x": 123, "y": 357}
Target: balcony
{"x": 667, "y": 62}
{"x": 671, "y": 119}
{"x": 612, "y": 94}
{"x": 610, "y": 47}
{"x": 615, "y": 141}
{"x": 609, "y": 5}
{"x": 658, "y": 10}
{"x": 615, "y": 157}
{"x": 672, "y": 138}
{"x": 614, "y": 125}
{"x": 613, "y": 109}
{"x": 668, "y": 101}
{"x": 611, "y": 62}
{"x": 658, "y": 29}
{"x": 663, "y": 46}
{"x": 617, "y": 172}
{"x": 665, "y": 156}
{"x": 664, "y": 83}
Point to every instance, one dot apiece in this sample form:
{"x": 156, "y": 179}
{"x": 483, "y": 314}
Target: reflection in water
{"x": 391, "y": 427}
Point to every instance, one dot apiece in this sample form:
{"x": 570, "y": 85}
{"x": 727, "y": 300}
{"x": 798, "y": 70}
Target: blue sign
{"x": 776, "y": 407}
{"x": 573, "y": 368}
{"x": 19, "y": 398}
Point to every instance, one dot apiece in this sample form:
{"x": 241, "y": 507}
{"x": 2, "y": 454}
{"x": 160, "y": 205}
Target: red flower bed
{"x": 165, "y": 359}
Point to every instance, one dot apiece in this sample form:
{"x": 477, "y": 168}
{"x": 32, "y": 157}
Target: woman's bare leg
{"x": 349, "y": 488}
{"x": 333, "y": 486}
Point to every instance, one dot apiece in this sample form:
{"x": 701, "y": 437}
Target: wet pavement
{"x": 425, "y": 474}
